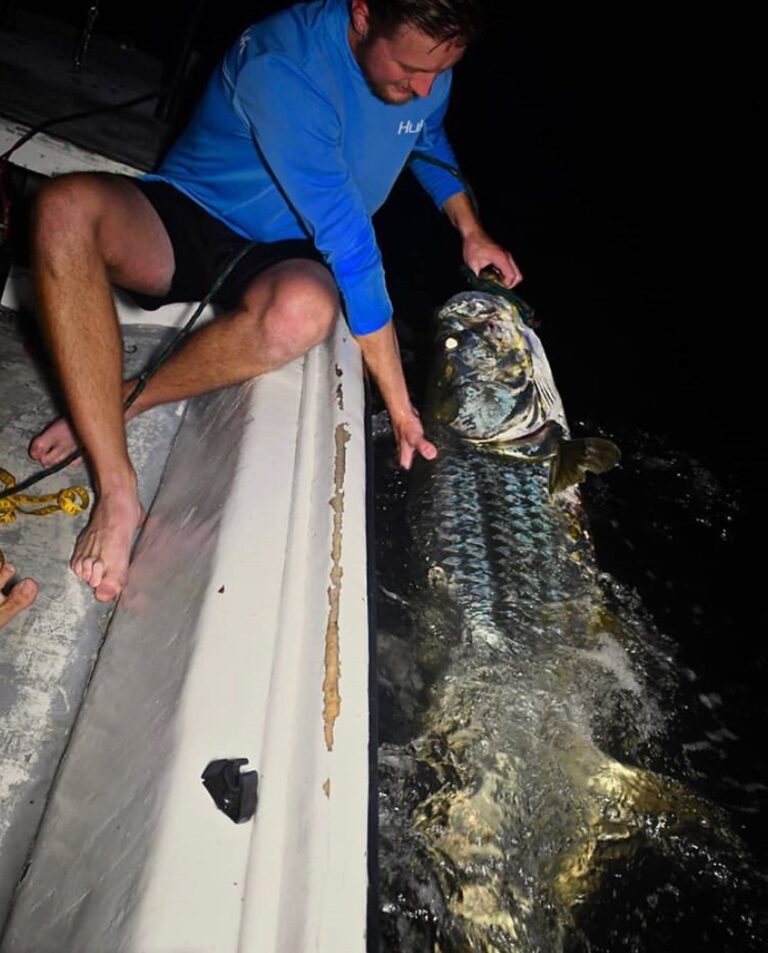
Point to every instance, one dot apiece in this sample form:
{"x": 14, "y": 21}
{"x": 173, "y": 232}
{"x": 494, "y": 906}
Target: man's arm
{"x": 447, "y": 192}
{"x": 306, "y": 160}
{"x": 380, "y": 350}
{"x": 479, "y": 249}
{"x": 308, "y": 166}
{"x": 382, "y": 358}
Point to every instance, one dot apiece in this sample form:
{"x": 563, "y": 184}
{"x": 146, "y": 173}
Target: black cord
{"x": 71, "y": 117}
{"x": 144, "y": 377}
{"x": 431, "y": 160}
{"x": 5, "y": 202}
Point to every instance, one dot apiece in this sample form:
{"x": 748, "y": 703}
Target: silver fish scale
{"x": 539, "y": 546}
{"x": 496, "y": 543}
{"x": 447, "y": 525}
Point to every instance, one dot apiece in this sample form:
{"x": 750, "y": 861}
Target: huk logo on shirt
{"x": 410, "y": 127}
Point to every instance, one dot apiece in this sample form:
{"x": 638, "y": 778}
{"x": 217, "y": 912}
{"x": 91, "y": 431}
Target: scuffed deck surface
{"x": 242, "y": 633}
{"x": 47, "y": 654}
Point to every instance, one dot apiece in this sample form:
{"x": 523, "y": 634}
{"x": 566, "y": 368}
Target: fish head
{"x": 493, "y": 383}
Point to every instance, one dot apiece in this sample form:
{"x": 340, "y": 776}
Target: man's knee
{"x": 299, "y": 311}
{"x": 102, "y": 219}
{"x": 65, "y": 206}
{"x": 304, "y": 308}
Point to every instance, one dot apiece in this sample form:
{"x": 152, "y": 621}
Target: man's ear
{"x": 360, "y": 17}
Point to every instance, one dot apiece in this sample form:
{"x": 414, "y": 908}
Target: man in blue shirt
{"x": 297, "y": 141}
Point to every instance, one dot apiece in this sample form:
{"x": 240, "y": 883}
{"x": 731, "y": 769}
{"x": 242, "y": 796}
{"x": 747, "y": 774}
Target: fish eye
{"x": 450, "y": 344}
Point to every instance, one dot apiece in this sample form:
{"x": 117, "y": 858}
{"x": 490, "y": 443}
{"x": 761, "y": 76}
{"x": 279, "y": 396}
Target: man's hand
{"x": 382, "y": 358}
{"x": 410, "y": 438}
{"x": 481, "y": 250}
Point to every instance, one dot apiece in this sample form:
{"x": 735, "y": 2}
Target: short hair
{"x": 458, "y": 21}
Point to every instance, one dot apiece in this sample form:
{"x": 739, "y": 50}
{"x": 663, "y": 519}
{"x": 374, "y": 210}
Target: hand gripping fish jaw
{"x": 494, "y": 389}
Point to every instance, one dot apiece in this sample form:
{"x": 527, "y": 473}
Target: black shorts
{"x": 202, "y": 246}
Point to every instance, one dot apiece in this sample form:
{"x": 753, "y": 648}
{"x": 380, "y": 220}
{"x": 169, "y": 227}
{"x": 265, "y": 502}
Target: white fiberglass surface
{"x": 242, "y": 633}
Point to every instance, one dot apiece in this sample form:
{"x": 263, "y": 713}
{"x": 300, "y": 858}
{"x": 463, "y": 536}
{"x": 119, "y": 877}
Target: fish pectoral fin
{"x": 576, "y": 458}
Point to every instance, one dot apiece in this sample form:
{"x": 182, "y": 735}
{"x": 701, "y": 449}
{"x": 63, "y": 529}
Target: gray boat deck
{"x": 47, "y": 654}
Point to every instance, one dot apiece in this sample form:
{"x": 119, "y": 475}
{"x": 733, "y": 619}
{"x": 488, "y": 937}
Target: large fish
{"x": 528, "y": 758}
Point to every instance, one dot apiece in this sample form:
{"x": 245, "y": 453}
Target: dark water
{"x": 615, "y": 160}
{"x": 694, "y": 890}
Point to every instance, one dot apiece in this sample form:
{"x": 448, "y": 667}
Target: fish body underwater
{"x": 527, "y": 761}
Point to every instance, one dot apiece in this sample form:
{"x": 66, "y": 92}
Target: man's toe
{"x": 23, "y": 593}
{"x": 20, "y": 597}
{"x": 108, "y": 590}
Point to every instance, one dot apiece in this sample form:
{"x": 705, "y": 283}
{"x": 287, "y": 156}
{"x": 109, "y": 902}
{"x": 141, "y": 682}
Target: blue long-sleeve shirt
{"x": 289, "y": 142}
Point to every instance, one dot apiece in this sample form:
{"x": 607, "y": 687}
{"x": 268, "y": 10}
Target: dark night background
{"x": 616, "y": 156}
{"x": 615, "y": 153}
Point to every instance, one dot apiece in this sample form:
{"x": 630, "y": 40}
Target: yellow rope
{"x": 71, "y": 500}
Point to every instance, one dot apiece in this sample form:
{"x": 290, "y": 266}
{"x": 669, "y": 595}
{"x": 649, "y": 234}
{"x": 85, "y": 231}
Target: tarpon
{"x": 530, "y": 756}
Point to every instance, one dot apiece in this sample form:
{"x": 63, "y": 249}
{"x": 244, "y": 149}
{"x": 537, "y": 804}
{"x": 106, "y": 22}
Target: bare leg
{"x": 284, "y": 313}
{"x": 287, "y": 310}
{"x": 81, "y": 234}
{"x": 108, "y": 229}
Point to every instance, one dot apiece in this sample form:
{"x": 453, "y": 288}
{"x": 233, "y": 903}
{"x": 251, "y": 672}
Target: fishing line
{"x": 485, "y": 280}
{"x": 431, "y": 160}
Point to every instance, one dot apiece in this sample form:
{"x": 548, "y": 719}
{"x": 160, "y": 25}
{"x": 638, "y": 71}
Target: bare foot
{"x": 20, "y": 597}
{"x": 58, "y": 439}
{"x": 103, "y": 549}
{"x": 54, "y": 443}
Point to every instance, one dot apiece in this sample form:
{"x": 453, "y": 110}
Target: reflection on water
{"x": 546, "y": 772}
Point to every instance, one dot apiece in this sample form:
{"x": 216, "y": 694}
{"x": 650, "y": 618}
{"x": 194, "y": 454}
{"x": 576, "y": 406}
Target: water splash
{"x": 535, "y": 795}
